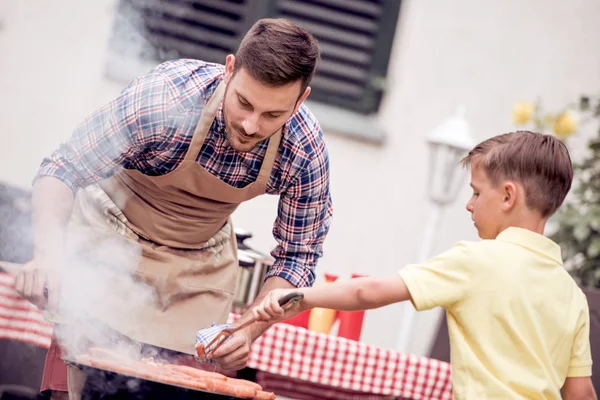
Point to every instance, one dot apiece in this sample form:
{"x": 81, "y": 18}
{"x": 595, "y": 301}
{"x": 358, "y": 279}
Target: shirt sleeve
{"x": 112, "y": 136}
{"x": 581, "y": 356}
{"x": 302, "y": 223}
{"x": 441, "y": 281}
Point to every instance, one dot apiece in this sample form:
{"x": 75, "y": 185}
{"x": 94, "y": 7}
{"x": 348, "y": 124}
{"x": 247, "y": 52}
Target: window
{"x": 355, "y": 38}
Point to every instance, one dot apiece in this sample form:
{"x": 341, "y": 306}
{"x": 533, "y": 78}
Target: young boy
{"x": 518, "y": 323}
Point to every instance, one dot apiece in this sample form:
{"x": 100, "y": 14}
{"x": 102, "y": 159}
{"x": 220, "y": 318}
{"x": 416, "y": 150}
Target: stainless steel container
{"x": 253, "y": 266}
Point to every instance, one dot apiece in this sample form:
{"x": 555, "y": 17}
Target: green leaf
{"x": 593, "y": 249}
{"x": 581, "y": 231}
{"x": 594, "y": 218}
{"x": 594, "y": 144}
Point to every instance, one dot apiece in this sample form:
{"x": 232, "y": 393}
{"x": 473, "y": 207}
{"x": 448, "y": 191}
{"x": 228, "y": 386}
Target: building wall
{"x": 483, "y": 55}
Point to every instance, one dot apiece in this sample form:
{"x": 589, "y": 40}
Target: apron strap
{"x": 269, "y": 159}
{"x": 205, "y": 122}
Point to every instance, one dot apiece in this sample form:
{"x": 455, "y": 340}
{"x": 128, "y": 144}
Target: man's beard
{"x": 232, "y": 131}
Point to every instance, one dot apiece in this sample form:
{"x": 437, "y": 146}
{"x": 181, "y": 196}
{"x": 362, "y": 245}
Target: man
{"x": 157, "y": 173}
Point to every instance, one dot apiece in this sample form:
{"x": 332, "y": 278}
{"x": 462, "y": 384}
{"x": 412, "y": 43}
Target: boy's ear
{"x": 510, "y": 195}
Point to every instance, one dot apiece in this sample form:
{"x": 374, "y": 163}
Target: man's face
{"x": 253, "y": 111}
{"x": 487, "y": 203}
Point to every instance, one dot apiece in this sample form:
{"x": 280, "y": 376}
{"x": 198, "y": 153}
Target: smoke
{"x": 100, "y": 287}
{"x": 100, "y": 284}
{"x": 130, "y": 53}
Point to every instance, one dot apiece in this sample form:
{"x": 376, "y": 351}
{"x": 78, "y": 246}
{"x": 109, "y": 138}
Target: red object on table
{"x": 301, "y": 319}
{"x": 286, "y": 351}
{"x": 351, "y": 322}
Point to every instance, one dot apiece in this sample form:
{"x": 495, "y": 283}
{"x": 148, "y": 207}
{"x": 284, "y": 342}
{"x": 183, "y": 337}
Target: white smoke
{"x": 100, "y": 289}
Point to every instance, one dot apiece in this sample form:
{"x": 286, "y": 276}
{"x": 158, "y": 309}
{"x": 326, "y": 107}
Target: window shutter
{"x": 208, "y": 30}
{"x": 355, "y": 37}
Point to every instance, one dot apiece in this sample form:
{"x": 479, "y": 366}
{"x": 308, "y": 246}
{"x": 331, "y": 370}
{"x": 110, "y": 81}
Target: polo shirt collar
{"x": 531, "y": 240}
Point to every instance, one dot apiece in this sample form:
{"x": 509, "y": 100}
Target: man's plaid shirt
{"x": 149, "y": 128}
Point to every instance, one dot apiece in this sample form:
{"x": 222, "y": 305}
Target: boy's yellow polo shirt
{"x": 518, "y": 323}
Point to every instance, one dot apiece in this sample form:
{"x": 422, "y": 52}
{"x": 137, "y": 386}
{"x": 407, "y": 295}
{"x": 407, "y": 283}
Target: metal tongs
{"x": 286, "y": 302}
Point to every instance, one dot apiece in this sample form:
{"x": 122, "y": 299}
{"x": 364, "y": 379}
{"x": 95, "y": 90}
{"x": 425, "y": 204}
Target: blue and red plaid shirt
{"x": 149, "y": 128}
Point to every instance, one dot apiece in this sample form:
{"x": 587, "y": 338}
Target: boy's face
{"x": 487, "y": 205}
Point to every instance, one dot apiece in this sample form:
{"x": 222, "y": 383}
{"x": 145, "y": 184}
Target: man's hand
{"x": 269, "y": 309}
{"x": 38, "y": 283}
{"x": 233, "y": 354}
{"x": 52, "y": 203}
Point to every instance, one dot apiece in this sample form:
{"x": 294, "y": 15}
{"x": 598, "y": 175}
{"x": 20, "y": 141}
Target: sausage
{"x": 99, "y": 352}
{"x": 260, "y": 395}
{"x": 236, "y": 381}
{"x": 84, "y": 359}
{"x": 115, "y": 366}
{"x": 182, "y": 380}
{"x": 195, "y": 372}
{"x": 180, "y": 375}
{"x": 229, "y": 389}
{"x": 149, "y": 372}
{"x": 128, "y": 367}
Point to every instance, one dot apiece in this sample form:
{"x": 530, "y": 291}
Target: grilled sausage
{"x": 260, "y": 395}
{"x": 195, "y": 372}
{"x": 235, "y": 381}
{"x": 99, "y": 352}
{"x": 226, "y": 388}
{"x": 114, "y": 365}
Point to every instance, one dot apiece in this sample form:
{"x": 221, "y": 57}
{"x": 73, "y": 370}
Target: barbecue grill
{"x": 104, "y": 384}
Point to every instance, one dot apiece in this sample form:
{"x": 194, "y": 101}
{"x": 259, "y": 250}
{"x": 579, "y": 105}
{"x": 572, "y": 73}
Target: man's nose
{"x": 250, "y": 124}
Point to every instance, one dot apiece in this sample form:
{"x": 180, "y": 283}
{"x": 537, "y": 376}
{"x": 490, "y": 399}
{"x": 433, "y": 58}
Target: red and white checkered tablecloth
{"x": 19, "y": 319}
{"x": 285, "y": 350}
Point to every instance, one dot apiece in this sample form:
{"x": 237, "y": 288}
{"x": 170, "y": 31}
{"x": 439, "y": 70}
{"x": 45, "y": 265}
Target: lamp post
{"x": 448, "y": 143}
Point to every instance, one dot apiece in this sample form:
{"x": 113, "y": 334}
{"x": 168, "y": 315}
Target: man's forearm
{"x": 52, "y": 203}
{"x": 258, "y": 328}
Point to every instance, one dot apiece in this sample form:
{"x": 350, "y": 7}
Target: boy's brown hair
{"x": 277, "y": 52}
{"x": 540, "y": 162}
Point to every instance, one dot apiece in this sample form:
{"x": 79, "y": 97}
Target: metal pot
{"x": 253, "y": 266}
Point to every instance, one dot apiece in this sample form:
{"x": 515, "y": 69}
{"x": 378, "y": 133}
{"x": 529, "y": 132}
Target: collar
{"x": 220, "y": 117}
{"x": 531, "y": 240}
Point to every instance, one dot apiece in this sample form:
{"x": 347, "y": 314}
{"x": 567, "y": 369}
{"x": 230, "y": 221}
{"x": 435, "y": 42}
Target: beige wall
{"x": 484, "y": 55}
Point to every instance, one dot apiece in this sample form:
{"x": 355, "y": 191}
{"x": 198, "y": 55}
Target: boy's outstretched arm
{"x": 351, "y": 295}
{"x": 579, "y": 388}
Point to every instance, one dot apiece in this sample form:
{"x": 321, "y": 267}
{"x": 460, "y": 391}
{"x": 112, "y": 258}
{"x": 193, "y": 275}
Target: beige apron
{"x": 156, "y": 257}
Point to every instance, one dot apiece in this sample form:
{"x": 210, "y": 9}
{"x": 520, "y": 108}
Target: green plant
{"x": 578, "y": 221}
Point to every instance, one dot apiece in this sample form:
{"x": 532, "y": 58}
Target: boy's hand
{"x": 269, "y": 309}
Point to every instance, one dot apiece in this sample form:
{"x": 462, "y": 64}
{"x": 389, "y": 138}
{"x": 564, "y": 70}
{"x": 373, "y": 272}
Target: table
{"x": 285, "y": 353}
